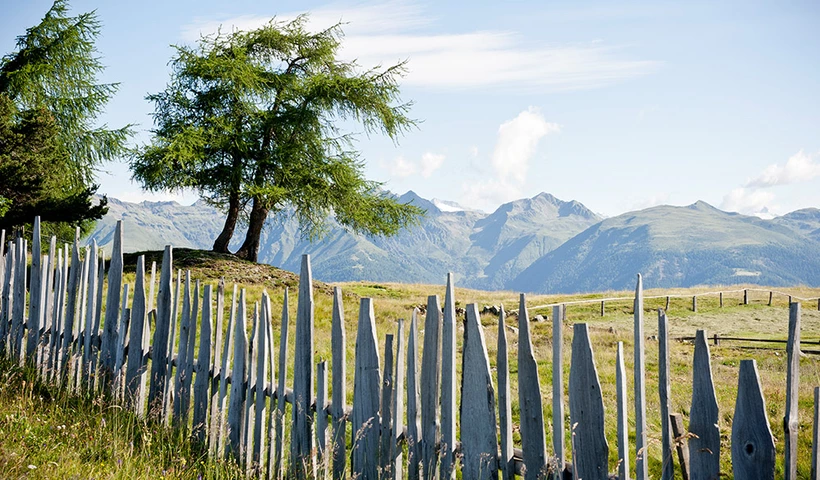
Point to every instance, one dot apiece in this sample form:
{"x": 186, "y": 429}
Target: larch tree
{"x": 251, "y": 121}
{"x": 50, "y": 144}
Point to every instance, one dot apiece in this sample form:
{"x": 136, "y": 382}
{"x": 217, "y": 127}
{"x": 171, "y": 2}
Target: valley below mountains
{"x": 540, "y": 244}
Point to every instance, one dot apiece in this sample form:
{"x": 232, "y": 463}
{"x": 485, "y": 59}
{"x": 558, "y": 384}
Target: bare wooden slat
{"x": 790, "y": 425}
{"x": 301, "y": 444}
{"x": 398, "y": 406}
{"x": 215, "y": 422}
{"x": 249, "y": 419}
{"x": 135, "y": 368}
{"x": 39, "y": 347}
{"x": 259, "y": 430}
{"x": 168, "y": 401}
{"x": 280, "y": 389}
{"x": 679, "y": 433}
{"x": 119, "y": 344}
{"x": 74, "y": 271}
{"x": 223, "y": 380}
{"x": 704, "y": 443}
{"x": 448, "y": 383}
{"x": 182, "y": 350}
{"x": 558, "y": 389}
{"x": 271, "y": 433}
{"x": 236, "y": 409}
{"x": 321, "y": 417}
{"x": 414, "y": 455}
{"x": 586, "y": 409}
{"x": 506, "y": 463}
{"x": 386, "y": 411}
{"x": 19, "y": 311}
{"x": 7, "y": 290}
{"x": 95, "y": 330}
{"x": 479, "y": 446}
{"x": 200, "y": 420}
{"x": 188, "y": 377}
{"x": 90, "y": 309}
{"x": 430, "y": 382}
{"x": 35, "y": 307}
{"x": 623, "y": 426}
{"x": 151, "y": 296}
{"x": 112, "y": 309}
{"x": 366, "y": 390}
{"x": 339, "y": 349}
{"x": 57, "y": 309}
{"x": 753, "y": 452}
{"x": 529, "y": 400}
{"x": 641, "y": 465}
{"x": 159, "y": 367}
{"x": 664, "y": 392}
{"x": 815, "y": 438}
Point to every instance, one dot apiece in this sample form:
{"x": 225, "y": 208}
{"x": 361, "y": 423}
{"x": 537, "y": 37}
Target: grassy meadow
{"x": 46, "y": 434}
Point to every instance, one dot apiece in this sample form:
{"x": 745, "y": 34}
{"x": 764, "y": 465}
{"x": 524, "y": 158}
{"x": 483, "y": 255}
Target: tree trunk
{"x": 250, "y": 248}
{"x": 224, "y": 238}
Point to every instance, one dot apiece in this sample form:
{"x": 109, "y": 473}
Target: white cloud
{"x": 474, "y": 151}
{"x": 652, "y": 201}
{"x": 800, "y": 167}
{"x": 517, "y": 141}
{"x": 430, "y": 162}
{"x": 748, "y": 201}
{"x": 402, "y": 167}
{"x": 387, "y": 32}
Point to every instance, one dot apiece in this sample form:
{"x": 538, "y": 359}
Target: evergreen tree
{"x": 249, "y": 121}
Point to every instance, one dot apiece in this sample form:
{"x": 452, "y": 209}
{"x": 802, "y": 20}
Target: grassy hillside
{"x": 30, "y": 416}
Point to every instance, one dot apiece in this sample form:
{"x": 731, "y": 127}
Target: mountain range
{"x": 539, "y": 244}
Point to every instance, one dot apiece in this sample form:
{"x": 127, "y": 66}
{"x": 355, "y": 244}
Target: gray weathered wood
{"x": 641, "y": 465}
{"x": 558, "y": 389}
{"x": 586, "y": 409}
{"x": 216, "y": 420}
{"x": 339, "y": 349}
{"x": 704, "y": 443}
{"x": 74, "y": 271}
{"x": 479, "y": 444}
{"x": 159, "y": 367}
{"x": 119, "y": 344}
{"x": 679, "y": 434}
{"x": 168, "y": 401}
{"x": 430, "y": 382}
{"x": 151, "y": 296}
{"x": 664, "y": 392}
{"x": 112, "y": 309}
{"x": 271, "y": 433}
{"x": 95, "y": 330}
{"x": 694, "y": 303}
{"x": 188, "y": 377}
{"x": 301, "y": 439}
{"x": 7, "y": 290}
{"x": 248, "y": 418}
{"x": 448, "y": 384}
{"x": 815, "y": 438}
{"x": 366, "y": 388}
{"x": 90, "y": 309}
{"x": 35, "y": 310}
{"x": 386, "y": 411}
{"x": 413, "y": 438}
{"x": 259, "y": 428}
{"x": 623, "y": 424}
{"x": 506, "y": 463}
{"x": 57, "y": 309}
{"x": 135, "y": 368}
{"x": 182, "y": 351}
{"x": 753, "y": 452}
{"x": 321, "y": 417}
{"x": 19, "y": 311}
{"x": 398, "y": 405}
{"x": 790, "y": 425}
{"x": 203, "y": 362}
{"x": 529, "y": 400}
{"x": 236, "y": 408}
{"x": 226, "y": 367}
{"x": 280, "y": 390}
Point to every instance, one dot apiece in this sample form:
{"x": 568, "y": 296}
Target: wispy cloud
{"x": 430, "y": 162}
{"x": 515, "y": 149}
{"x": 401, "y": 167}
{"x": 388, "y": 32}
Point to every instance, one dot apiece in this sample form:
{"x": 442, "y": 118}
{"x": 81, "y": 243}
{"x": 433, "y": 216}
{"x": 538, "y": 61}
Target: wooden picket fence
{"x": 230, "y": 393}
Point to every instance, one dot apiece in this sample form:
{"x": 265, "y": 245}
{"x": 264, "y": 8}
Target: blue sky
{"x": 619, "y": 106}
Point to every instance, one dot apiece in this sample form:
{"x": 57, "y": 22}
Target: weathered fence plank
{"x": 479, "y": 446}
{"x": 20, "y": 294}
{"x": 280, "y": 389}
{"x": 623, "y": 425}
{"x": 248, "y": 417}
{"x": 188, "y": 374}
{"x": 236, "y": 408}
{"x": 74, "y": 272}
{"x": 586, "y": 409}
{"x": 90, "y": 311}
{"x": 35, "y": 309}
{"x": 430, "y": 361}
{"x": 398, "y": 405}
{"x": 366, "y": 389}
{"x": 448, "y": 384}
{"x": 414, "y": 454}
{"x": 386, "y": 411}
{"x": 159, "y": 367}
{"x": 168, "y": 401}
{"x": 135, "y": 368}
{"x": 815, "y": 438}
{"x": 679, "y": 434}
{"x": 226, "y": 366}
{"x": 753, "y": 452}
{"x": 215, "y": 422}
{"x": 302, "y": 428}
{"x": 338, "y": 345}
{"x": 182, "y": 351}
{"x": 506, "y": 464}
{"x": 790, "y": 425}
{"x": 558, "y": 389}
{"x": 704, "y": 443}
{"x": 262, "y": 346}
{"x": 664, "y": 392}
{"x": 529, "y": 400}
{"x": 321, "y": 417}
{"x": 641, "y": 464}
{"x": 203, "y": 360}
{"x": 272, "y": 378}
{"x": 112, "y": 309}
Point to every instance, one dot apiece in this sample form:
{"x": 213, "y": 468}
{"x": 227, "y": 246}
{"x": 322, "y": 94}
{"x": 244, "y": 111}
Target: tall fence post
{"x": 448, "y": 384}
{"x": 280, "y": 390}
{"x": 529, "y": 400}
{"x": 558, "y": 389}
{"x": 366, "y": 389}
{"x": 664, "y": 392}
{"x": 398, "y": 404}
{"x": 704, "y": 443}
{"x": 112, "y": 309}
{"x": 338, "y": 347}
{"x": 413, "y": 438}
{"x": 753, "y": 452}
{"x": 641, "y": 464}
{"x": 504, "y": 401}
{"x": 815, "y": 438}
{"x": 302, "y": 433}
{"x": 203, "y": 364}
{"x": 623, "y": 426}
{"x": 386, "y": 411}
{"x": 160, "y": 345}
{"x": 790, "y": 425}
{"x": 430, "y": 382}
{"x": 236, "y": 406}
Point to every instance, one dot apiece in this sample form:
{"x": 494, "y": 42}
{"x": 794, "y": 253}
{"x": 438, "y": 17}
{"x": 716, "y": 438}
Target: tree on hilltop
{"x": 250, "y": 121}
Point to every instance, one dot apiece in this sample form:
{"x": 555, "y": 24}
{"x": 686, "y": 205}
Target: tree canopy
{"x": 251, "y": 121}
{"x": 50, "y": 145}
